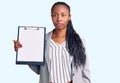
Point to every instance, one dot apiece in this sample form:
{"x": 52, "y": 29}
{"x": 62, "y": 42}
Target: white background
{"x": 98, "y": 21}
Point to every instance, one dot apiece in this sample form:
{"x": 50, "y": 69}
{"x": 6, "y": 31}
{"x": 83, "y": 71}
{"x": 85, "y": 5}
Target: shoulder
{"x": 48, "y": 35}
{"x": 83, "y": 40}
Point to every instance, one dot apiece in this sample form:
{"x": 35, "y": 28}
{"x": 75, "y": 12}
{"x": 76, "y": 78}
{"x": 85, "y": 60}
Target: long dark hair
{"x": 74, "y": 43}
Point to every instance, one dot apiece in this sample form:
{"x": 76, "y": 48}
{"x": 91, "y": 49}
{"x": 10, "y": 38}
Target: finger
{"x": 15, "y": 48}
{"x": 20, "y": 45}
{"x": 15, "y": 41}
{"x": 16, "y": 45}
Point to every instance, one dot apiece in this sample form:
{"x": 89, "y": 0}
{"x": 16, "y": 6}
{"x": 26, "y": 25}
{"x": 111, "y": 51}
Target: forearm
{"x": 86, "y": 72}
{"x": 35, "y": 68}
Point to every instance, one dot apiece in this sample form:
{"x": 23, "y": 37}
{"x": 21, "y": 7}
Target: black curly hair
{"x": 74, "y": 43}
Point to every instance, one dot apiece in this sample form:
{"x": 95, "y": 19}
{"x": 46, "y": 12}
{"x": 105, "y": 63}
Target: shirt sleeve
{"x": 35, "y": 68}
{"x": 85, "y": 70}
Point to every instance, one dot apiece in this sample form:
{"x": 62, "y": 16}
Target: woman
{"x": 65, "y": 57}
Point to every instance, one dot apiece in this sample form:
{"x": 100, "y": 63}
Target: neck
{"x": 59, "y": 32}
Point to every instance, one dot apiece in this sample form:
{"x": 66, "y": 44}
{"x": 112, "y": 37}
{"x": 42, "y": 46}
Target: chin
{"x": 59, "y": 28}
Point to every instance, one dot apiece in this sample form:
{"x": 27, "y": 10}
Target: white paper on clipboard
{"x": 32, "y": 40}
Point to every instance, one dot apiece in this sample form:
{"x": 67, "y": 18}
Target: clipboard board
{"x": 33, "y": 45}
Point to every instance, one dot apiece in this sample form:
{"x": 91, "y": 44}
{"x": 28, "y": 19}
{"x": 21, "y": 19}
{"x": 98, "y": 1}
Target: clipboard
{"x": 33, "y": 45}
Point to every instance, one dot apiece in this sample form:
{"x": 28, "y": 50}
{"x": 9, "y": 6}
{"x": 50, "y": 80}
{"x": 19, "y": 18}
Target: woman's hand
{"x": 17, "y": 45}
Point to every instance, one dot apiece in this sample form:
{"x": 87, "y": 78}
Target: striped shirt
{"x": 60, "y": 63}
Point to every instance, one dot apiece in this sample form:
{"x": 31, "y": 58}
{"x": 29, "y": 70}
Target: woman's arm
{"x": 85, "y": 69}
{"x": 35, "y": 68}
{"x": 86, "y": 72}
